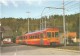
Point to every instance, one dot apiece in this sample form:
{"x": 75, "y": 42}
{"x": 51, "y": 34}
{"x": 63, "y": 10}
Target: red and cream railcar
{"x": 18, "y": 39}
{"x": 49, "y": 36}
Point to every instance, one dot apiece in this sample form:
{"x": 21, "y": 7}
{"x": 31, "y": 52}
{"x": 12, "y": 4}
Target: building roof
{"x": 5, "y": 28}
{"x": 7, "y": 31}
{"x": 1, "y": 29}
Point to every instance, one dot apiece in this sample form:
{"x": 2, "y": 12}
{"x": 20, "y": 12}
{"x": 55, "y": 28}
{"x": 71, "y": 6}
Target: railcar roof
{"x": 35, "y": 32}
{"x": 40, "y": 31}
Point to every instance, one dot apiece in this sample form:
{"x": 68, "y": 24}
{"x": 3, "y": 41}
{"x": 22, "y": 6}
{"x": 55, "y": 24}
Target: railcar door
{"x": 41, "y": 39}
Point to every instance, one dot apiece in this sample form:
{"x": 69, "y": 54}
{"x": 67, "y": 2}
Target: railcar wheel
{"x": 53, "y": 44}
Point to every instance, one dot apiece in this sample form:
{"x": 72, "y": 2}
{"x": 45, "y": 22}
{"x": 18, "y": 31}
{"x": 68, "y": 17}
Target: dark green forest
{"x": 20, "y": 24}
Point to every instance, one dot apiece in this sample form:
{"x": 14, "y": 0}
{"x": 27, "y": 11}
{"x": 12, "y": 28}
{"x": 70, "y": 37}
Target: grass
{"x": 74, "y": 46}
{"x": 70, "y": 47}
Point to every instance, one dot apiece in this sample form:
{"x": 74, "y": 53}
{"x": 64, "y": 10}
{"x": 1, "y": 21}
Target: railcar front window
{"x": 56, "y": 34}
{"x": 49, "y": 34}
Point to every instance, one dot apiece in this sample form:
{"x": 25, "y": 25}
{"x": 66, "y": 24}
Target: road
{"x": 34, "y": 50}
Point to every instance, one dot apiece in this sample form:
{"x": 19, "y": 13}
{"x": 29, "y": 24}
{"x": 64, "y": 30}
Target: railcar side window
{"x": 17, "y": 38}
{"x": 41, "y": 35}
{"x": 33, "y": 37}
{"x": 56, "y": 34}
{"x": 26, "y": 37}
{"x": 49, "y": 34}
{"x": 37, "y": 36}
{"x": 21, "y": 38}
{"x": 30, "y": 37}
{"x": 53, "y": 34}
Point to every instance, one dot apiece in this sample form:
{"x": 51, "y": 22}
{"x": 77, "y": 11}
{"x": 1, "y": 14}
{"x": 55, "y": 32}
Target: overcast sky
{"x": 18, "y": 8}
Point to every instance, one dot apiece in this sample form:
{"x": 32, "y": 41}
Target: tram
{"x": 48, "y": 36}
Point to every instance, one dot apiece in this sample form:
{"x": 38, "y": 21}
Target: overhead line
{"x": 73, "y": 5}
{"x": 68, "y": 8}
{"x": 68, "y": 3}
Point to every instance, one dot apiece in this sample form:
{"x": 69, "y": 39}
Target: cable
{"x": 68, "y": 3}
{"x": 68, "y": 8}
{"x": 77, "y": 8}
{"x": 73, "y": 5}
{"x": 73, "y": 10}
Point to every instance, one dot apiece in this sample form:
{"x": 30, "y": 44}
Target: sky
{"x": 19, "y": 8}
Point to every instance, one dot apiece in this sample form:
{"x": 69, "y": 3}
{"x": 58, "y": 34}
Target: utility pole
{"x": 45, "y": 23}
{"x": 40, "y": 25}
{"x": 28, "y": 20}
{"x": 42, "y": 18}
{"x": 0, "y": 23}
{"x": 1, "y": 32}
{"x": 67, "y": 33}
{"x": 42, "y": 21}
{"x": 64, "y": 24}
{"x": 79, "y": 26}
{"x": 54, "y": 22}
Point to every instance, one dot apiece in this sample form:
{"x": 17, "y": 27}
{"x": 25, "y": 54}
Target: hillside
{"x": 20, "y": 24}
